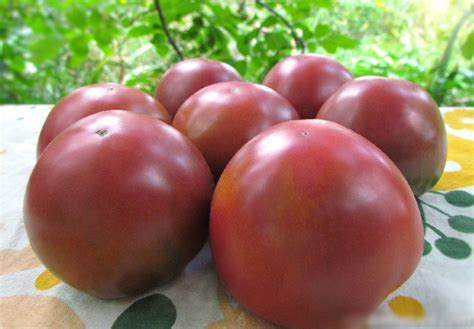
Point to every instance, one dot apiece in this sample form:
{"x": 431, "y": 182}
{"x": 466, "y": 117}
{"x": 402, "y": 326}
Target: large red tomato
{"x": 400, "y": 118}
{"x": 307, "y": 81}
{"x": 312, "y": 226}
{"x": 187, "y": 77}
{"x": 118, "y": 203}
{"x": 221, "y": 118}
{"x": 96, "y": 98}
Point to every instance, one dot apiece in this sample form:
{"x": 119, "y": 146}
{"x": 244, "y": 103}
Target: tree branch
{"x": 165, "y": 29}
{"x": 299, "y": 41}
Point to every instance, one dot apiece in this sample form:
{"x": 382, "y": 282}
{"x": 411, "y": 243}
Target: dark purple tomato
{"x": 307, "y": 81}
{"x": 96, "y": 98}
{"x": 187, "y": 77}
{"x": 118, "y": 203}
{"x": 222, "y": 117}
{"x": 312, "y": 226}
{"x": 398, "y": 116}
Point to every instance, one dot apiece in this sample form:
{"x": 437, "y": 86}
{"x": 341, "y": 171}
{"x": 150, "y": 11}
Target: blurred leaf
{"x": 173, "y": 9}
{"x": 104, "y": 37}
{"x": 252, "y": 35}
{"x": 276, "y": 40}
{"x": 57, "y": 4}
{"x": 77, "y": 17}
{"x": 218, "y": 14}
{"x": 107, "y": 50}
{"x": 343, "y": 41}
{"x": 38, "y": 24}
{"x": 269, "y": 21}
{"x": 96, "y": 20}
{"x": 46, "y": 48}
{"x": 17, "y": 64}
{"x": 327, "y": 4}
{"x": 158, "y": 38}
{"x": 313, "y": 45}
{"x": 307, "y": 34}
{"x": 329, "y": 45}
{"x": 467, "y": 47}
{"x": 163, "y": 49}
{"x": 80, "y": 44}
{"x": 241, "y": 66}
{"x": 242, "y": 46}
{"x": 321, "y": 30}
{"x": 77, "y": 59}
{"x": 140, "y": 30}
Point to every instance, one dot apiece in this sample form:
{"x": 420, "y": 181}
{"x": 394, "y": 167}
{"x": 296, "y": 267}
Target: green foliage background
{"x": 50, "y": 47}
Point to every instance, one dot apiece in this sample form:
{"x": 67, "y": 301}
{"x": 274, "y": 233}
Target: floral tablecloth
{"x": 440, "y": 294}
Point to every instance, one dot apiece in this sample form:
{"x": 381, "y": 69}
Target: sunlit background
{"x": 50, "y": 47}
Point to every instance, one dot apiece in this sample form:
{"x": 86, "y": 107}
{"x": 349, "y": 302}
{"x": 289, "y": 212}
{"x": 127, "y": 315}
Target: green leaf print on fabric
{"x": 460, "y": 198}
{"x": 427, "y": 248}
{"x": 462, "y": 223}
{"x": 154, "y": 311}
{"x": 453, "y": 247}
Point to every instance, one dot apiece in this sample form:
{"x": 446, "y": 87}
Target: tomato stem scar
{"x": 101, "y": 132}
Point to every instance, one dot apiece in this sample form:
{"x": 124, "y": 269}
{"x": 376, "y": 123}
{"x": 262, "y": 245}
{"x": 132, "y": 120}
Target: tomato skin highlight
{"x": 307, "y": 80}
{"x": 187, "y": 77}
{"x": 312, "y": 226}
{"x": 400, "y": 118}
{"x": 221, "y": 118}
{"x": 118, "y": 203}
{"x": 95, "y": 98}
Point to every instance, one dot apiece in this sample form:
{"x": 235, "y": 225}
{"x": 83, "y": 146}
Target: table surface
{"x": 439, "y": 294}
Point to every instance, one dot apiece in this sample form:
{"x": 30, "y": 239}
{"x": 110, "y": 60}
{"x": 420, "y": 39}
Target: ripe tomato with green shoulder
{"x": 312, "y": 226}
{"x": 398, "y": 116}
{"x": 118, "y": 203}
{"x": 220, "y": 118}
{"x": 187, "y": 77}
{"x": 307, "y": 80}
{"x": 95, "y": 98}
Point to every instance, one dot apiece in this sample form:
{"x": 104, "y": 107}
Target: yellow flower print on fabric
{"x": 460, "y": 152}
{"x": 405, "y": 307}
{"x": 46, "y": 280}
{"x": 459, "y": 171}
{"x": 460, "y": 119}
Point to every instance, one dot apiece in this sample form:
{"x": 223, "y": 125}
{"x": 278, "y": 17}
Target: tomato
{"x": 118, "y": 203}
{"x": 307, "y": 81}
{"x": 221, "y": 118}
{"x": 312, "y": 226}
{"x": 91, "y": 99}
{"x": 187, "y": 77}
{"x": 398, "y": 116}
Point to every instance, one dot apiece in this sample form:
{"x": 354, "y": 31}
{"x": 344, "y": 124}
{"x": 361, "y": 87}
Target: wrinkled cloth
{"x": 440, "y": 294}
